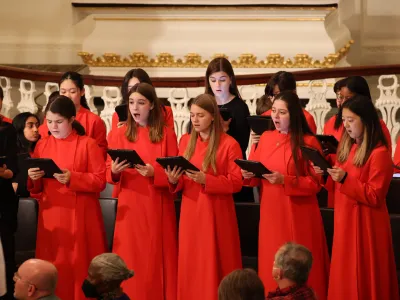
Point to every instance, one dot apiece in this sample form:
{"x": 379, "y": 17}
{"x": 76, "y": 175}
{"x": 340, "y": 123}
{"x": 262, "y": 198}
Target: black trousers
{"x": 7, "y": 235}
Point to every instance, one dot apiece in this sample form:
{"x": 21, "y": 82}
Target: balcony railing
{"x": 28, "y": 90}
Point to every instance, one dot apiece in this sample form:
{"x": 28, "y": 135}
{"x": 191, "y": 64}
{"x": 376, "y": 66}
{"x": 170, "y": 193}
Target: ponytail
{"x": 80, "y": 130}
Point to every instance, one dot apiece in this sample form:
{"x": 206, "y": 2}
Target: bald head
{"x": 41, "y": 273}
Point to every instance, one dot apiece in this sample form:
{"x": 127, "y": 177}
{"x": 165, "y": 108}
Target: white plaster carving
{"x": 7, "y": 102}
{"x": 27, "y": 102}
{"x": 317, "y": 105}
{"x": 111, "y": 97}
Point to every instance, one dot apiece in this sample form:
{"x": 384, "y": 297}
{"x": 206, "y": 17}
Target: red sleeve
{"x": 160, "y": 179}
{"x": 100, "y": 135}
{"x": 308, "y": 185}
{"x": 232, "y": 181}
{"x": 112, "y": 143}
{"x": 396, "y": 158}
{"x": 169, "y": 117}
{"x": 94, "y": 179}
{"x": 373, "y": 192}
{"x": 267, "y": 113}
{"x": 114, "y": 121}
{"x": 386, "y": 133}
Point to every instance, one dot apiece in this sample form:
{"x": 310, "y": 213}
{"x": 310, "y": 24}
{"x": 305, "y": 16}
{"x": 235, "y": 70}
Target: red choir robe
{"x": 396, "y": 158}
{"x": 167, "y": 112}
{"x": 363, "y": 265}
{"x": 209, "y": 245}
{"x": 309, "y": 118}
{"x": 289, "y": 212}
{"x": 70, "y": 226}
{"x": 145, "y": 233}
{"x": 329, "y": 129}
{"x": 93, "y": 124}
{"x": 169, "y": 122}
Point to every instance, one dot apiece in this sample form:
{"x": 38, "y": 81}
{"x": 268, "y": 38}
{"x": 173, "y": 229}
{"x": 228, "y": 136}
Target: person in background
{"x": 72, "y": 86}
{"x": 280, "y": 82}
{"x": 220, "y": 82}
{"x": 105, "y": 274}
{"x": 26, "y": 125}
{"x": 241, "y": 285}
{"x": 289, "y": 192}
{"x": 70, "y": 229}
{"x": 263, "y": 104}
{"x": 209, "y": 245}
{"x": 362, "y": 265}
{"x": 8, "y": 200}
{"x": 5, "y": 119}
{"x": 36, "y": 279}
{"x": 132, "y": 78}
{"x": 291, "y": 269}
{"x": 145, "y": 233}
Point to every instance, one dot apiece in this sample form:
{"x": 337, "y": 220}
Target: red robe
{"x": 209, "y": 245}
{"x": 70, "y": 227}
{"x": 363, "y": 265}
{"x": 309, "y": 118}
{"x": 289, "y": 212}
{"x": 93, "y": 124}
{"x": 167, "y": 112}
{"x": 145, "y": 233}
{"x": 329, "y": 129}
{"x": 396, "y": 158}
{"x": 169, "y": 122}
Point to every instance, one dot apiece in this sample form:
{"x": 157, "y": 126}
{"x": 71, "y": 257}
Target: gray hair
{"x": 295, "y": 261}
{"x": 111, "y": 267}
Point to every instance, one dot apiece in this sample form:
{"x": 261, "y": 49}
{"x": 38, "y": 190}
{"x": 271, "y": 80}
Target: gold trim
{"x": 208, "y": 19}
{"x": 194, "y": 60}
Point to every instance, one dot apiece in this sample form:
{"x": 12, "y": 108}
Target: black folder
{"x": 316, "y": 157}
{"x": 122, "y": 112}
{"x": 130, "y": 156}
{"x": 328, "y": 139}
{"x": 259, "y": 124}
{"x": 255, "y": 167}
{"x": 178, "y": 161}
{"x": 44, "y": 164}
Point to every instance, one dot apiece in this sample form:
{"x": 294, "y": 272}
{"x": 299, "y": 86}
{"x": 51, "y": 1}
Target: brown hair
{"x": 156, "y": 118}
{"x": 221, "y": 64}
{"x": 263, "y": 104}
{"x": 208, "y": 103}
{"x": 241, "y": 285}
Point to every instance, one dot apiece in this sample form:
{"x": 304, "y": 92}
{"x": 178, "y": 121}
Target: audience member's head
{"x": 106, "y": 273}
{"x": 292, "y": 265}
{"x": 241, "y": 285}
{"x": 35, "y": 279}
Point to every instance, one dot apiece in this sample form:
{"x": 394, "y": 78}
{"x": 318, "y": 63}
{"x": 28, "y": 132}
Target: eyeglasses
{"x": 343, "y": 98}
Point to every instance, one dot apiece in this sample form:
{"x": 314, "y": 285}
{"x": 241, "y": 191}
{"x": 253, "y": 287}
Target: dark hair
{"x": 373, "y": 134}
{"x": 263, "y": 104}
{"x": 189, "y": 125}
{"x": 298, "y": 128}
{"x": 78, "y": 81}
{"x": 284, "y": 80}
{"x": 19, "y": 123}
{"x": 241, "y": 285}
{"x": 221, "y": 64}
{"x": 1, "y": 94}
{"x": 138, "y": 73}
{"x": 358, "y": 85}
{"x": 52, "y": 97}
{"x": 65, "y": 107}
{"x": 156, "y": 120}
{"x": 336, "y": 88}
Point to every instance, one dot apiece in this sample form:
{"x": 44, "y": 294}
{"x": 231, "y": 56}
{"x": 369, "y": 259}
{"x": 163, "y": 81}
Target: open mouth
{"x": 136, "y": 116}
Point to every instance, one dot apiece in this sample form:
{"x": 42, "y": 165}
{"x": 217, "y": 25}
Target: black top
{"x": 22, "y": 176}
{"x": 8, "y": 198}
{"x": 239, "y": 128}
{"x": 123, "y": 297}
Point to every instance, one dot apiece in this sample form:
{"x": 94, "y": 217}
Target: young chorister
{"x": 289, "y": 208}
{"x": 70, "y": 224}
{"x": 131, "y": 78}
{"x": 363, "y": 265}
{"x": 145, "y": 233}
{"x": 209, "y": 246}
{"x": 71, "y": 85}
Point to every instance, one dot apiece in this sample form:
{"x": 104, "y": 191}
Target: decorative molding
{"x": 216, "y": 19}
{"x": 194, "y": 60}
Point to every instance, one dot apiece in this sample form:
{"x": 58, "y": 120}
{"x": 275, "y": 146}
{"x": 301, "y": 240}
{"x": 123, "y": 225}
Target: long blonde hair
{"x": 208, "y": 103}
{"x": 156, "y": 118}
